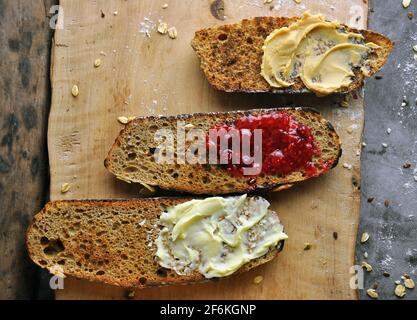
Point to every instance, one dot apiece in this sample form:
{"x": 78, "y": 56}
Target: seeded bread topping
{"x": 322, "y": 53}
{"x": 217, "y": 236}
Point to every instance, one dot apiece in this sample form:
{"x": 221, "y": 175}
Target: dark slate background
{"x": 392, "y": 224}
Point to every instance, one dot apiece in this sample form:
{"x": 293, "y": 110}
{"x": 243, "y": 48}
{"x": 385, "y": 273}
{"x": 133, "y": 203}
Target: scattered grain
{"x": 372, "y": 293}
{"x": 400, "y": 291}
{"x": 173, "y": 33}
{"x": 364, "y": 237}
{"x": 75, "y": 91}
{"x": 65, "y": 187}
{"x": 258, "y": 279}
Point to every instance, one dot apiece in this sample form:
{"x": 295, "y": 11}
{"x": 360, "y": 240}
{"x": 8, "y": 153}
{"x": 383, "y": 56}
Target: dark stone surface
{"x": 24, "y": 108}
{"x": 391, "y": 218}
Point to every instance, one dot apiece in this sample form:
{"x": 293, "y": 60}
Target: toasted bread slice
{"x": 231, "y": 55}
{"x": 109, "y": 241}
{"x": 132, "y": 156}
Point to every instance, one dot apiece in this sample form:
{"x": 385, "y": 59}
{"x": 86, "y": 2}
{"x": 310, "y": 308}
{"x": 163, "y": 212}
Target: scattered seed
{"x": 372, "y": 293}
{"x": 297, "y": 1}
{"x": 366, "y": 266}
{"x": 364, "y": 144}
{"x": 347, "y": 166}
{"x": 307, "y": 246}
{"x": 189, "y": 126}
{"x": 335, "y": 235}
{"x": 150, "y": 188}
{"x": 370, "y": 199}
{"x": 410, "y": 15}
{"x": 97, "y": 63}
{"x": 258, "y": 279}
{"x": 407, "y": 165}
{"x": 406, "y": 3}
{"x": 384, "y": 145}
{"x": 397, "y": 282}
{"x": 409, "y": 283}
{"x": 115, "y": 13}
{"x": 378, "y": 77}
{"x": 364, "y": 237}
{"x": 165, "y": 6}
{"x": 75, "y": 91}
{"x": 386, "y": 274}
{"x": 173, "y": 33}
{"x": 130, "y": 294}
{"x": 386, "y": 203}
{"x": 415, "y": 48}
{"x": 162, "y": 28}
{"x": 389, "y": 130}
{"x": 415, "y": 178}
{"x": 400, "y": 291}
{"x": 123, "y": 120}
{"x": 349, "y": 129}
{"x": 267, "y": 1}
{"x": 365, "y": 254}
{"x": 65, "y": 187}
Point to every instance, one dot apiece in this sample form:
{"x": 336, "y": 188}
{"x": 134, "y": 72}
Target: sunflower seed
{"x": 364, "y": 237}
{"x": 400, "y": 291}
{"x": 65, "y": 187}
{"x": 372, "y": 293}
{"x": 75, "y": 91}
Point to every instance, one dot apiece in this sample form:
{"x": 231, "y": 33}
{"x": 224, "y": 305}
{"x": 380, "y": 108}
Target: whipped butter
{"x": 216, "y": 236}
{"x": 322, "y": 53}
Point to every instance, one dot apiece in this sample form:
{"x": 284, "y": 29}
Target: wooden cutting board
{"x": 144, "y": 73}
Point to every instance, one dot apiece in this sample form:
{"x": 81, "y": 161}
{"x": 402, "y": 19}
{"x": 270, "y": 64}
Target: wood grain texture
{"x": 142, "y": 75}
{"x": 25, "y": 99}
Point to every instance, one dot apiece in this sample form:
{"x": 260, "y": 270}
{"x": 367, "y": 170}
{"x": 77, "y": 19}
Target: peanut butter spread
{"x": 322, "y": 53}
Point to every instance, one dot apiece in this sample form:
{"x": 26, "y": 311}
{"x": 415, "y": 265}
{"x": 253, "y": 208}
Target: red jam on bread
{"x": 287, "y": 145}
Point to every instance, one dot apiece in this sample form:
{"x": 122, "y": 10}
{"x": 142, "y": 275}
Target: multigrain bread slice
{"x": 131, "y": 158}
{"x": 110, "y": 241}
{"x": 231, "y": 55}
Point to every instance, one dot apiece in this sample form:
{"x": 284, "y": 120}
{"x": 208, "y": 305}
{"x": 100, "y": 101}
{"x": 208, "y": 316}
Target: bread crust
{"x": 117, "y": 155}
{"x": 234, "y": 64}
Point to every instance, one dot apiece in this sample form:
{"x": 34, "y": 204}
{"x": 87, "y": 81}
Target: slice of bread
{"x": 132, "y": 156}
{"x": 111, "y": 241}
{"x": 231, "y": 55}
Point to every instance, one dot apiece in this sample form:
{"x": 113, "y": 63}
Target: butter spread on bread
{"x": 217, "y": 235}
{"x": 322, "y": 53}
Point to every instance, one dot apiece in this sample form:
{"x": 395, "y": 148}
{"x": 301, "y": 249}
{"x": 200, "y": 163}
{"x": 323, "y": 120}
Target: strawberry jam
{"x": 287, "y": 145}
